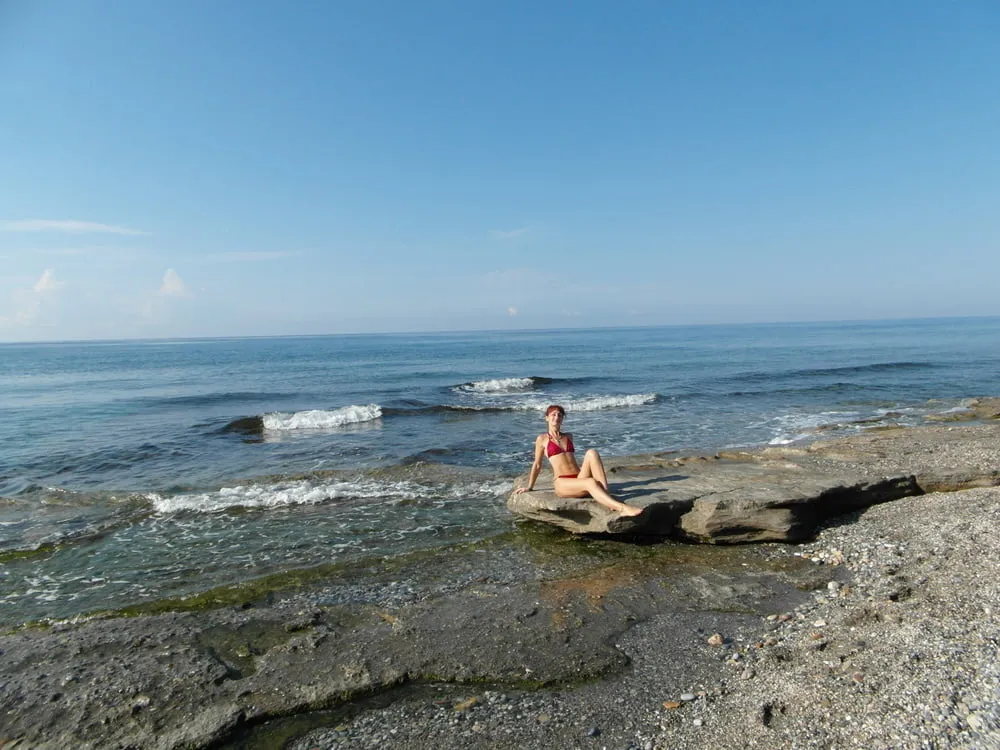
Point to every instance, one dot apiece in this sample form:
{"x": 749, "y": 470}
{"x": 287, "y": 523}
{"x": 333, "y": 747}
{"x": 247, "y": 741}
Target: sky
{"x": 237, "y": 168}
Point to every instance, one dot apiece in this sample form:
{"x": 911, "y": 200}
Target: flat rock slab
{"x": 195, "y": 680}
{"x": 773, "y": 493}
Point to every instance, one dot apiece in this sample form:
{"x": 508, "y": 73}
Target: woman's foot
{"x": 629, "y": 510}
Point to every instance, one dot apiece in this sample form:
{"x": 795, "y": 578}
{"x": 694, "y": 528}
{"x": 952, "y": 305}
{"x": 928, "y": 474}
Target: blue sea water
{"x": 144, "y": 469}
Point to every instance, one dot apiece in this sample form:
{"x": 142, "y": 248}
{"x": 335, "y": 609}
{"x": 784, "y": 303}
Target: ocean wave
{"x": 245, "y": 426}
{"x": 595, "y": 403}
{"x": 499, "y": 385}
{"x": 319, "y": 419}
{"x": 205, "y": 399}
{"x": 877, "y": 367}
{"x": 314, "y": 492}
{"x": 586, "y": 403}
{"x": 791, "y": 428}
{"x": 858, "y": 369}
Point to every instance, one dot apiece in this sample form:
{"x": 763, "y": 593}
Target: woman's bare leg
{"x": 593, "y": 466}
{"x": 581, "y": 486}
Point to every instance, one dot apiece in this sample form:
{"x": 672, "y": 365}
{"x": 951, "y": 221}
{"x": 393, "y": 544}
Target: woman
{"x": 571, "y": 480}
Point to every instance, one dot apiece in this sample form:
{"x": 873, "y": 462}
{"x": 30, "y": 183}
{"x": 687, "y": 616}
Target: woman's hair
{"x": 555, "y": 407}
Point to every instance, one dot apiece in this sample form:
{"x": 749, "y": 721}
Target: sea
{"x": 137, "y": 471}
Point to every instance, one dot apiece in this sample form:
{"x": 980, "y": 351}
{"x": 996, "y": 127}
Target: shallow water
{"x": 132, "y": 471}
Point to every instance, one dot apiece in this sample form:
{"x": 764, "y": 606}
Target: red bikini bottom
{"x": 569, "y": 476}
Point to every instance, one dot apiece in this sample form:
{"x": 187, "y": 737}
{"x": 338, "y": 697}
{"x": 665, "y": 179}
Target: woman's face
{"x": 554, "y": 419}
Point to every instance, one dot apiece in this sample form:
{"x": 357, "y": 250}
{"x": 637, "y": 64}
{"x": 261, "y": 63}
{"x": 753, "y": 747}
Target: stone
{"x": 466, "y": 704}
{"x": 776, "y": 493}
{"x": 716, "y": 639}
{"x": 716, "y": 502}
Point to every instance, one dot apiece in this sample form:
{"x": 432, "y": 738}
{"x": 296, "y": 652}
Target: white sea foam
{"x": 318, "y": 419}
{"x": 498, "y": 385}
{"x": 954, "y": 410}
{"x": 311, "y": 492}
{"x": 594, "y": 403}
{"x": 794, "y": 427}
{"x": 587, "y": 403}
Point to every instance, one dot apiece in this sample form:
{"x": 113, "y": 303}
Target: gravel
{"x": 898, "y": 648}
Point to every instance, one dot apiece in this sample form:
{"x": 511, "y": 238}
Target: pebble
{"x": 716, "y": 639}
{"x": 466, "y": 704}
{"x": 911, "y": 688}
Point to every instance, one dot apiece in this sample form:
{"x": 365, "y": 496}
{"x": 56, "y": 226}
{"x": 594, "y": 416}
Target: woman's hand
{"x": 519, "y": 490}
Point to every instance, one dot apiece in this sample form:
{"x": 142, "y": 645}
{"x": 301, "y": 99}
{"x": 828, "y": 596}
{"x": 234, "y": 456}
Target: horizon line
{"x": 447, "y": 331}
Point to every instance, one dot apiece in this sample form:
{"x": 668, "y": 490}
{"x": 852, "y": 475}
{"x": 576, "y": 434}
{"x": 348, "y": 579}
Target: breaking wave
{"x": 502, "y": 385}
{"x": 314, "y": 492}
{"x": 587, "y": 403}
{"x": 594, "y": 403}
{"x": 318, "y": 419}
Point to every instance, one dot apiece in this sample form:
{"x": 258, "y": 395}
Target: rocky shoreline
{"x": 898, "y": 650}
{"x": 779, "y": 493}
{"x": 879, "y": 632}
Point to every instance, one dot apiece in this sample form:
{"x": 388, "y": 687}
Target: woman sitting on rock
{"x": 571, "y": 480}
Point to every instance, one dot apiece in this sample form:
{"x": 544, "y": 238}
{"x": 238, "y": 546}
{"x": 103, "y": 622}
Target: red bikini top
{"x": 554, "y": 449}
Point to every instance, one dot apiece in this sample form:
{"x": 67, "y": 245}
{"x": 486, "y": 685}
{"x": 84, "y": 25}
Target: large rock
{"x": 775, "y": 493}
{"x": 713, "y": 500}
{"x": 787, "y": 511}
{"x": 586, "y": 516}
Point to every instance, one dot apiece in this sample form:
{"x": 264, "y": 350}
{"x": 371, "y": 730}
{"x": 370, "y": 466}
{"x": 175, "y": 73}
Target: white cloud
{"x": 512, "y": 311}
{"x": 173, "y": 285}
{"x": 70, "y": 226}
{"x": 508, "y": 234}
{"x": 28, "y": 302}
{"x": 47, "y": 283}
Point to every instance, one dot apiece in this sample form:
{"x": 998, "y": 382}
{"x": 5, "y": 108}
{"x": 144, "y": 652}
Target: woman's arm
{"x": 536, "y": 466}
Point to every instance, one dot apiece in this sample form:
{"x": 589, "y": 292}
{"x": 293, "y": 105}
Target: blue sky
{"x": 245, "y": 168}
